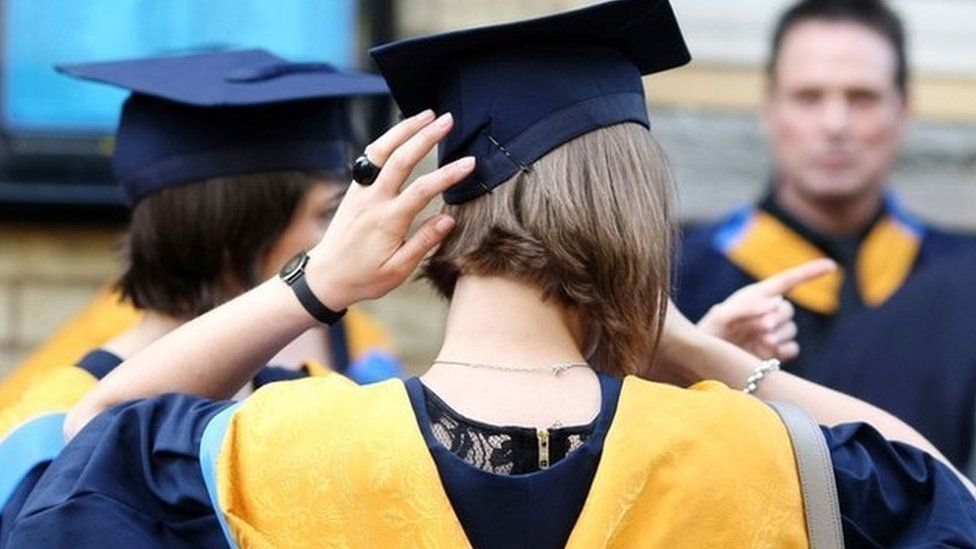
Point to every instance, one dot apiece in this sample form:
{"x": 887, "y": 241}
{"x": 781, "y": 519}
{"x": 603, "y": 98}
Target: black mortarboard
{"x": 521, "y": 89}
{"x": 199, "y": 116}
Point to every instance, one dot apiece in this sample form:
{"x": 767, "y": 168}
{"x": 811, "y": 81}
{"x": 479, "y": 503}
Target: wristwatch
{"x": 293, "y": 273}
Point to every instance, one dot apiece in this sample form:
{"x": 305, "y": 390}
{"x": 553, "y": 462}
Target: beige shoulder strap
{"x": 816, "y": 472}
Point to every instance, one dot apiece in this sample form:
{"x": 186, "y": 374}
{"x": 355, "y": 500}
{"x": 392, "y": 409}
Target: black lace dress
{"x": 501, "y": 450}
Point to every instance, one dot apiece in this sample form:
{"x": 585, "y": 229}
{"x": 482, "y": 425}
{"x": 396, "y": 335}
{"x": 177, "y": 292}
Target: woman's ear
{"x": 591, "y": 340}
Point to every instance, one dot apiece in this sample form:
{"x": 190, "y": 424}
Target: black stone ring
{"x": 364, "y": 171}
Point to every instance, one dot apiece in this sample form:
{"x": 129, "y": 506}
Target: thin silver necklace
{"x": 554, "y": 369}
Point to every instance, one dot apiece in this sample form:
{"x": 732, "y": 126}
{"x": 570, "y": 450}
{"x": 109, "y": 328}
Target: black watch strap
{"x": 316, "y": 308}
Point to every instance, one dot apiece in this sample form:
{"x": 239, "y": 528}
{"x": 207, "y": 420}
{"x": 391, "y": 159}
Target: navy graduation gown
{"x": 916, "y": 356}
{"x": 705, "y": 275}
{"x": 133, "y": 477}
{"x": 532, "y": 510}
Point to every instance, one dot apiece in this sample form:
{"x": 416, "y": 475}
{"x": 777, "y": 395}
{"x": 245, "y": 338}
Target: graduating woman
{"x": 232, "y": 162}
{"x": 530, "y": 429}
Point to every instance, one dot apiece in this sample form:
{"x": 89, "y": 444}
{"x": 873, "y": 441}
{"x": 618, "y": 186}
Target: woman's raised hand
{"x": 366, "y": 251}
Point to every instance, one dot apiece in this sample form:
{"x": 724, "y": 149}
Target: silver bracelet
{"x": 752, "y": 382}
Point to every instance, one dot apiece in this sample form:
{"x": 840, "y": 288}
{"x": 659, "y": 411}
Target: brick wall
{"x": 47, "y": 274}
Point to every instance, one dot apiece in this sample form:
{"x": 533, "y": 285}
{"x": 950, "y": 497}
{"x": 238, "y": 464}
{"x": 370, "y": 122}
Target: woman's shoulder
{"x": 52, "y": 391}
{"x": 334, "y": 397}
{"x": 320, "y": 384}
{"x": 707, "y": 401}
{"x": 709, "y": 419}
{"x": 890, "y": 493}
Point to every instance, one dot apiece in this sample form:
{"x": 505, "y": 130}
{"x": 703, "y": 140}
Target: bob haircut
{"x": 590, "y": 225}
{"x": 191, "y": 247}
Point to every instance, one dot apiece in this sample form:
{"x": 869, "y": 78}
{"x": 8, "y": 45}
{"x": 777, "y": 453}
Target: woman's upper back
{"x": 319, "y": 457}
{"x": 660, "y": 459}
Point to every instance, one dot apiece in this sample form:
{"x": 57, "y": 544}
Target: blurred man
{"x": 836, "y": 111}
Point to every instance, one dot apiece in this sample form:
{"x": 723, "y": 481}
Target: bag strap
{"x": 820, "y": 503}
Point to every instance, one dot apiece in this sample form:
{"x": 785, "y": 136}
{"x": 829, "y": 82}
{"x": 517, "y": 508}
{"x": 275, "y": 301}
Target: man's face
{"x": 834, "y": 113}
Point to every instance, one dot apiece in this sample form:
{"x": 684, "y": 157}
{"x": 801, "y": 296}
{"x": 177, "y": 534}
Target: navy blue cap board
{"x": 195, "y": 117}
{"x": 519, "y": 90}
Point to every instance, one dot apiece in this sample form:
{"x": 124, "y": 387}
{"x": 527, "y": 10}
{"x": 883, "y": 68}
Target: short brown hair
{"x": 190, "y": 248}
{"x": 590, "y": 225}
{"x": 872, "y": 14}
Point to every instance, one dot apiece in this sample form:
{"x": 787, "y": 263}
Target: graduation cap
{"x": 195, "y": 117}
{"x": 519, "y": 90}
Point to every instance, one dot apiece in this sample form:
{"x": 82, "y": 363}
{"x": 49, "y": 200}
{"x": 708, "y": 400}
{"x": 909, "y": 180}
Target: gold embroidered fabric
{"x": 320, "y": 462}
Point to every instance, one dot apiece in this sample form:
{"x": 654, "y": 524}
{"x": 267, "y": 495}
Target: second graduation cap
{"x": 195, "y": 117}
{"x": 519, "y": 90}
